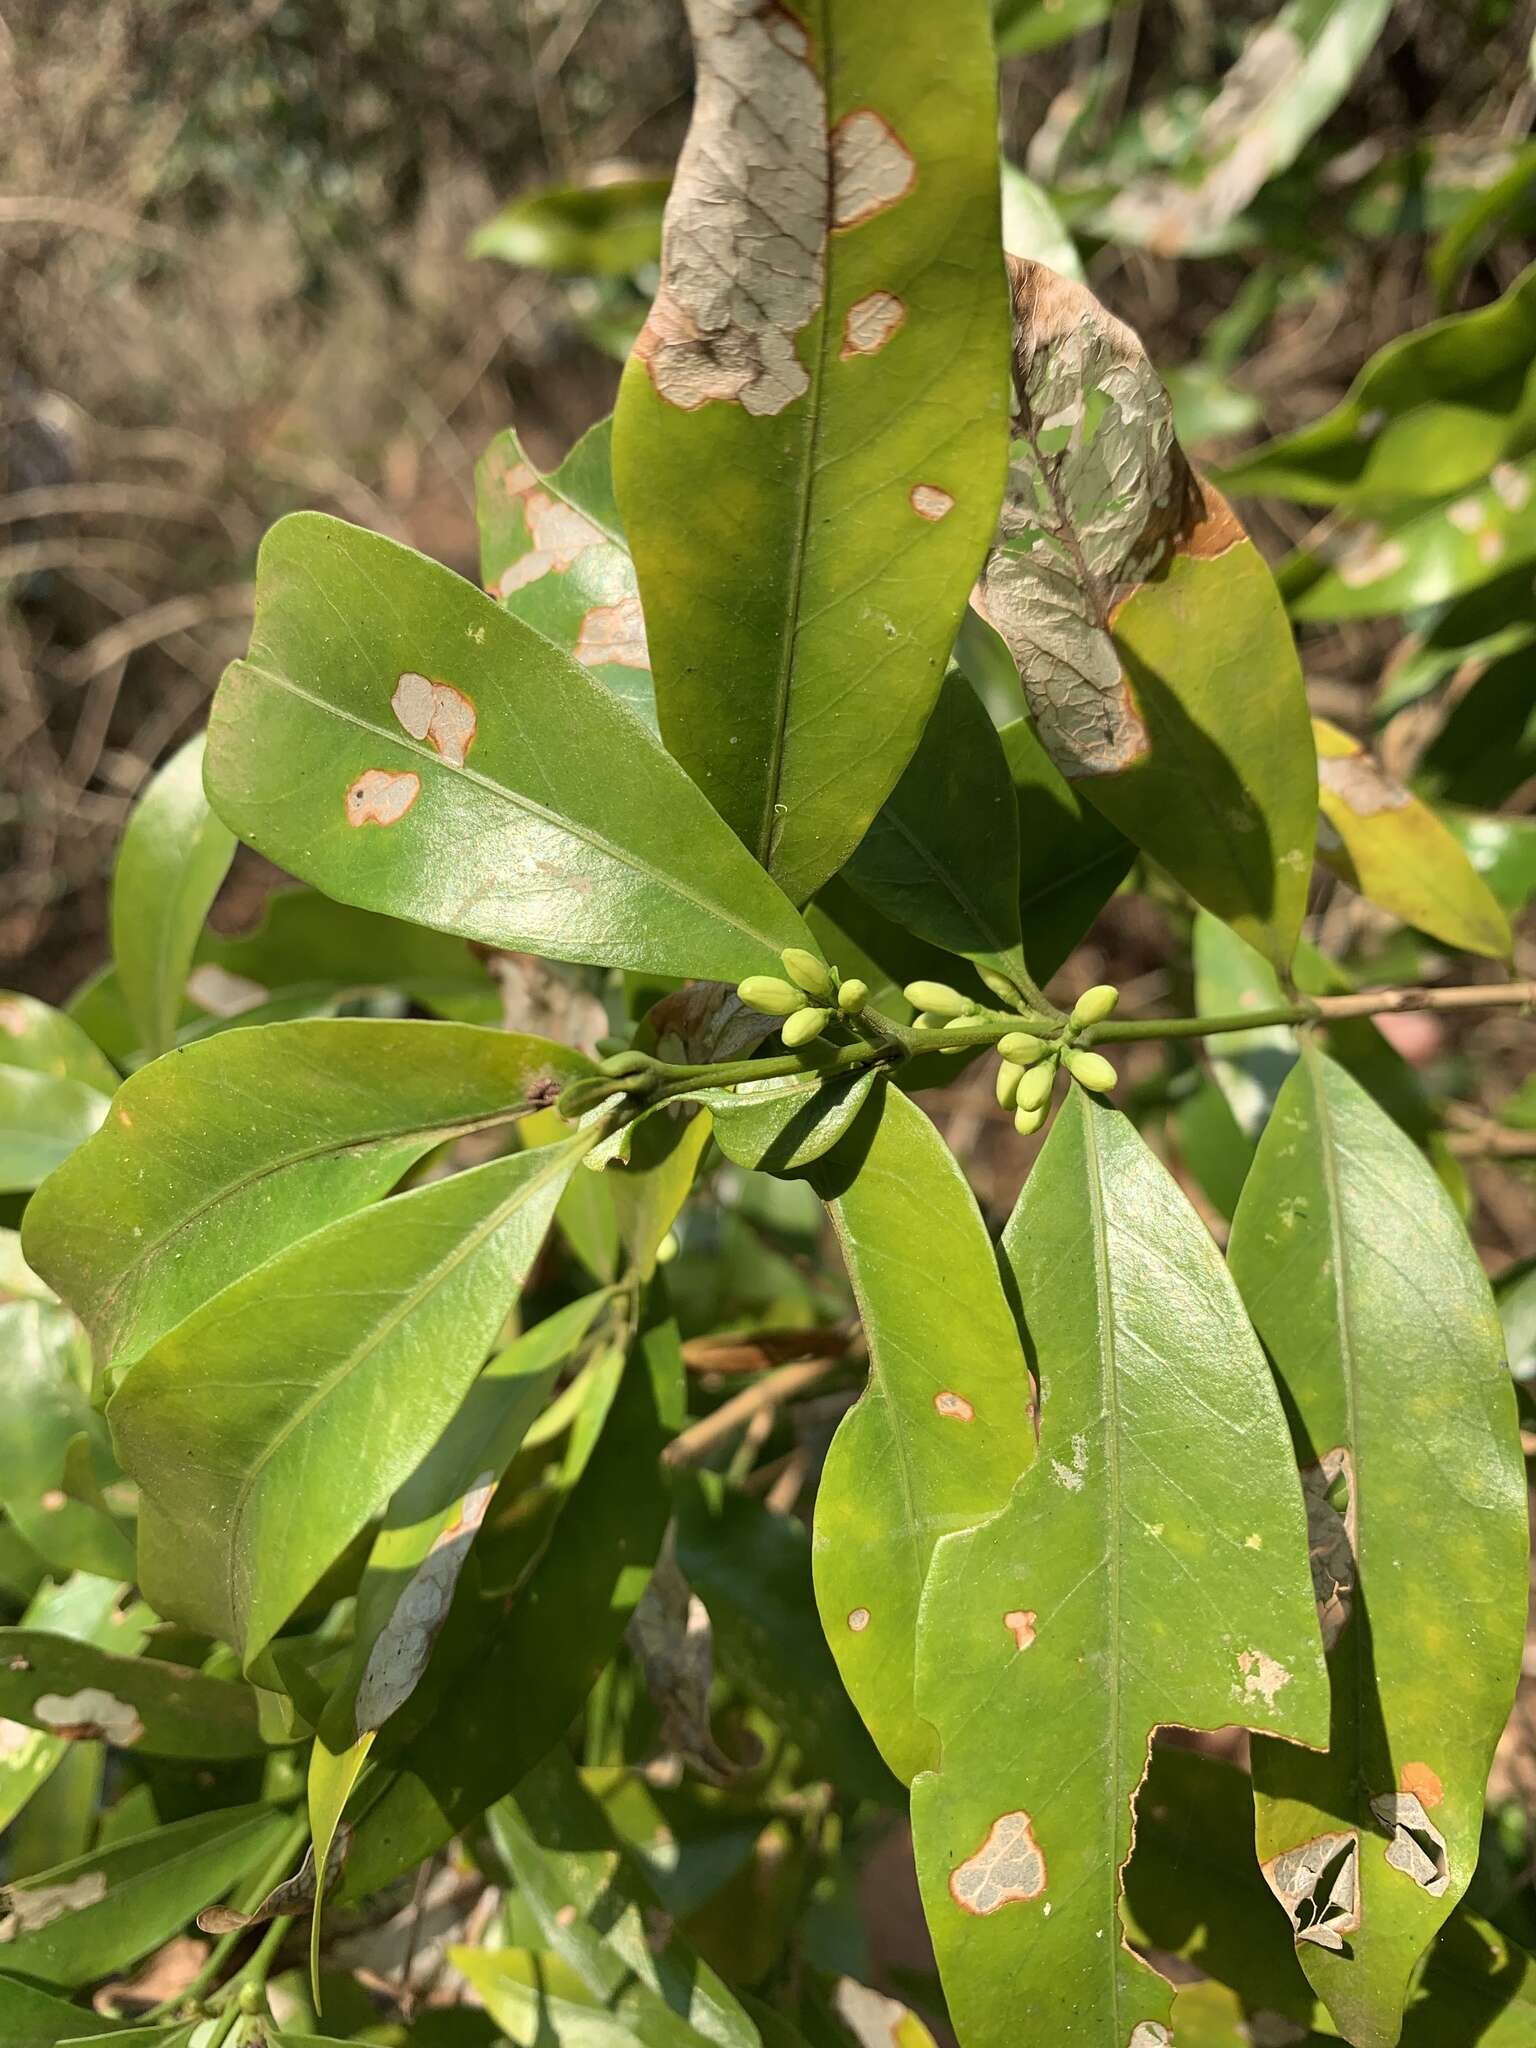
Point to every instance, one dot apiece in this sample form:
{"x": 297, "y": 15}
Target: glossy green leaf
{"x": 1032, "y": 226}
{"x": 559, "y": 1632}
{"x": 942, "y": 857}
{"x": 591, "y": 1906}
{"x": 267, "y": 1429}
{"x": 100, "y": 1913}
{"x": 1152, "y": 647}
{"x": 1071, "y": 858}
{"x": 174, "y": 855}
{"x": 1423, "y": 558}
{"x": 232, "y": 1149}
{"x": 752, "y": 1570}
{"x": 432, "y": 1520}
{"x": 1249, "y": 1067}
{"x": 49, "y": 1422}
{"x": 85, "y": 1608}
{"x": 42, "y": 1040}
{"x": 1376, "y": 1314}
{"x": 1291, "y": 74}
{"x": 552, "y": 549}
{"x": 785, "y": 1125}
{"x": 1429, "y": 415}
{"x": 510, "y": 1983}
{"x": 146, "y": 1704}
{"x": 809, "y": 440}
{"x": 1149, "y": 1568}
{"x": 1503, "y": 851}
{"x": 608, "y": 228}
{"x": 1024, "y": 26}
{"x": 43, "y": 1119}
{"x": 943, "y": 1428}
{"x": 532, "y": 812}
{"x": 1383, "y": 841}
{"x": 30, "y": 2018}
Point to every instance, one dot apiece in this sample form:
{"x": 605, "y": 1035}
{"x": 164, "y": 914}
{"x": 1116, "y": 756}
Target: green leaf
{"x": 607, "y": 229}
{"x": 232, "y": 1149}
{"x": 809, "y": 440}
{"x": 174, "y": 855}
{"x": 41, "y": 1040}
{"x": 563, "y": 1624}
{"x": 1025, "y": 26}
{"x": 1429, "y": 415}
{"x": 1149, "y": 1568}
{"x": 1249, "y": 1067}
{"x": 42, "y": 1120}
{"x": 942, "y": 857}
{"x": 1032, "y": 226}
{"x": 591, "y": 1906}
{"x": 1152, "y": 647}
{"x": 146, "y": 1704}
{"x": 1371, "y": 1302}
{"x": 1423, "y": 558}
{"x": 943, "y": 1428}
{"x": 31, "y": 2019}
{"x": 433, "y": 1518}
{"x": 1379, "y": 838}
{"x": 1481, "y": 217}
{"x": 784, "y": 1125}
{"x": 1071, "y": 858}
{"x": 84, "y": 1607}
{"x": 47, "y": 1416}
{"x": 99, "y": 1913}
{"x": 1503, "y": 851}
{"x": 510, "y": 1982}
{"x": 1293, "y": 71}
{"x": 752, "y": 1570}
{"x": 552, "y": 549}
{"x": 572, "y": 834}
{"x": 267, "y": 1429}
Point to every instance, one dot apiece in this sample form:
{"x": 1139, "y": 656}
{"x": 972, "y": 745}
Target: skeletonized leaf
{"x": 101, "y": 1912}
{"x": 266, "y": 1429}
{"x": 563, "y": 1624}
{"x": 1152, "y": 645}
{"x": 187, "y": 1187}
{"x": 552, "y": 549}
{"x": 1291, "y": 75}
{"x": 84, "y": 1693}
{"x": 1383, "y": 841}
{"x": 1429, "y": 415}
{"x": 400, "y": 740}
{"x": 809, "y": 440}
{"x": 1149, "y": 1568}
{"x": 943, "y": 1428}
{"x": 942, "y": 857}
{"x": 1371, "y": 1302}
{"x": 173, "y": 857}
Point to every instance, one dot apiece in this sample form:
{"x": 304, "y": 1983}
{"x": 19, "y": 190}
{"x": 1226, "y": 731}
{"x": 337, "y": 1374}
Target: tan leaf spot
{"x": 402, "y": 1647}
{"x": 42, "y": 1905}
{"x": 1371, "y": 559}
{"x": 89, "y": 1715}
{"x": 379, "y": 797}
{"x": 929, "y": 502}
{"x": 614, "y": 633}
{"x": 14, "y": 1736}
{"x": 1021, "y": 1623}
{"x": 54, "y": 1499}
{"x": 13, "y": 1020}
{"x": 1008, "y": 1867}
{"x": 436, "y": 712}
{"x": 954, "y": 1407}
{"x": 870, "y": 324}
{"x": 858, "y": 1620}
{"x": 1466, "y": 515}
{"x": 871, "y": 168}
{"x": 1512, "y": 486}
{"x": 1150, "y": 2034}
{"x": 1072, "y": 1476}
{"x": 557, "y": 535}
{"x": 1356, "y": 781}
{"x": 1263, "y": 1676}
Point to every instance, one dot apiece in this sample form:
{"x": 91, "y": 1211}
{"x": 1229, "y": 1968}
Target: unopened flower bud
{"x": 1022, "y": 1047}
{"x": 936, "y": 996}
{"x": 1035, "y": 1085}
{"x": 852, "y": 996}
{"x": 1091, "y": 1069}
{"x": 773, "y": 997}
{"x": 1000, "y": 986}
{"x": 1028, "y": 1121}
{"x": 1093, "y": 1005}
{"x": 805, "y": 1025}
{"x": 806, "y": 971}
{"x": 1008, "y": 1079}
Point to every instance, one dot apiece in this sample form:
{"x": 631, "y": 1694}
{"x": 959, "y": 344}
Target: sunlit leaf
{"x": 607, "y": 228}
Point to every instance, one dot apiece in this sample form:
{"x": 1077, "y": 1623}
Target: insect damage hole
{"x": 380, "y": 797}
{"x": 1318, "y": 1883}
{"x": 1007, "y": 1869}
{"x": 1417, "y": 1847}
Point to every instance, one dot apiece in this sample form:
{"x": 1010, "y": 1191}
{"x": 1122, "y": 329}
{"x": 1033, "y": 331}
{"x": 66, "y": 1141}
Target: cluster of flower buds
{"x": 808, "y": 1000}
{"x": 1026, "y": 1079}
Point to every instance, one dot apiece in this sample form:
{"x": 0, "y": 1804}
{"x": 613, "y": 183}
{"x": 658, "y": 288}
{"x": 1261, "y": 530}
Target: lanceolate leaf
{"x": 942, "y": 857}
{"x": 234, "y": 1148}
{"x": 784, "y": 1126}
{"x": 809, "y": 442}
{"x": 86, "y": 1694}
{"x": 1071, "y": 858}
{"x": 1153, "y": 649}
{"x": 398, "y": 739}
{"x": 266, "y": 1429}
{"x": 87, "y": 1918}
{"x": 942, "y": 1430}
{"x": 173, "y": 857}
{"x": 1149, "y": 1568}
{"x": 1375, "y": 1311}
{"x": 1291, "y": 75}
{"x": 30, "y": 2018}
{"x": 1380, "y": 839}
{"x": 546, "y": 1650}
